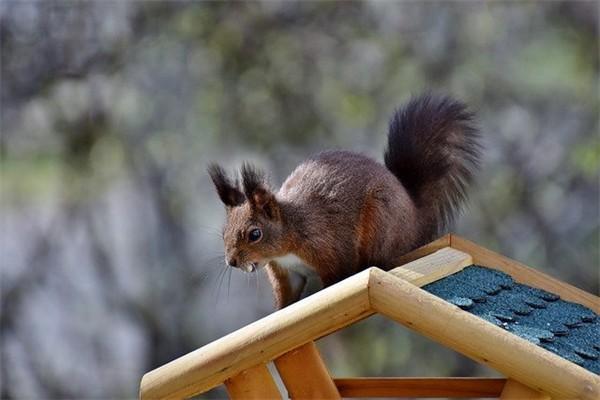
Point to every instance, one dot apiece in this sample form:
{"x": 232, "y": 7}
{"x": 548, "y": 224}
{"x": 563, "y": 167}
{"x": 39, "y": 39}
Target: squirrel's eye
{"x": 254, "y": 235}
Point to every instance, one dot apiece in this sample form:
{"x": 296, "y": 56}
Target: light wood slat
{"x": 264, "y": 340}
{"x": 433, "y": 267}
{"x": 479, "y": 340}
{"x": 305, "y": 375}
{"x": 425, "y": 250}
{"x": 254, "y": 383}
{"x": 523, "y": 274}
{"x": 420, "y": 387}
{"x": 514, "y": 390}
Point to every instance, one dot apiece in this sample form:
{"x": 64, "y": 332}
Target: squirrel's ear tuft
{"x": 257, "y": 191}
{"x": 229, "y": 193}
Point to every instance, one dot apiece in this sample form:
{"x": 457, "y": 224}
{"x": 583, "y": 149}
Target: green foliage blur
{"x": 111, "y": 254}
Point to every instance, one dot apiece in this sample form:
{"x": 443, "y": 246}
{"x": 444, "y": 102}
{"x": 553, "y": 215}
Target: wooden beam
{"x": 523, "y": 274}
{"x": 420, "y": 387}
{"x": 514, "y": 390}
{"x": 305, "y": 375}
{"x": 479, "y": 339}
{"x": 433, "y": 267}
{"x": 426, "y": 250}
{"x": 254, "y": 383}
{"x": 266, "y": 339}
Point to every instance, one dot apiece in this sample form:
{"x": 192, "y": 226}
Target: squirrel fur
{"x": 340, "y": 212}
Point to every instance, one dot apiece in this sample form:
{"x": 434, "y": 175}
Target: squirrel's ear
{"x": 257, "y": 191}
{"x": 229, "y": 193}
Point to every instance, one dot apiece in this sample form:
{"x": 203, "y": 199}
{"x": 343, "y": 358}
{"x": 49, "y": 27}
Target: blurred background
{"x": 111, "y": 254}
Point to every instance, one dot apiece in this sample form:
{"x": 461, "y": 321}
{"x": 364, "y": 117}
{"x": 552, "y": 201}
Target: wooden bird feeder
{"x": 537, "y": 362}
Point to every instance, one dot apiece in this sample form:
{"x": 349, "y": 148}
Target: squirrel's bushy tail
{"x": 433, "y": 148}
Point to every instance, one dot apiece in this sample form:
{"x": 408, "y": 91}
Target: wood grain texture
{"x": 524, "y": 274}
{"x": 433, "y": 267}
{"x": 255, "y": 383}
{"x": 425, "y": 250}
{"x": 305, "y": 375}
{"x": 374, "y": 290}
{"x": 266, "y": 339}
{"x": 480, "y": 340}
{"x": 514, "y": 390}
{"x": 420, "y": 387}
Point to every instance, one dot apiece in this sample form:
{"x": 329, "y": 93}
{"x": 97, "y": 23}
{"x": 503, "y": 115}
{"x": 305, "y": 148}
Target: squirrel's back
{"x": 355, "y": 213}
{"x": 335, "y": 175}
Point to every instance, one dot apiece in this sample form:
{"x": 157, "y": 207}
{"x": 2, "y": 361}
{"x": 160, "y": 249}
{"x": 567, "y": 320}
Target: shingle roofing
{"x": 567, "y": 329}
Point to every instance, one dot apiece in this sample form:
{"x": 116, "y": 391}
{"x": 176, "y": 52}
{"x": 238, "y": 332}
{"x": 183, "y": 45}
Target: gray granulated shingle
{"x": 567, "y": 329}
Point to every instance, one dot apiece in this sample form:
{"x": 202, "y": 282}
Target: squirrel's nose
{"x": 232, "y": 262}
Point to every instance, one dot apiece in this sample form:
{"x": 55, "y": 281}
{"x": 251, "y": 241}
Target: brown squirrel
{"x": 341, "y": 212}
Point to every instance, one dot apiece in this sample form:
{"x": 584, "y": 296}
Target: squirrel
{"x": 340, "y": 212}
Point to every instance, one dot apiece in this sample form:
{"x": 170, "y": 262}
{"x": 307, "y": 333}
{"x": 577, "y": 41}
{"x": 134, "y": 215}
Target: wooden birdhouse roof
{"x": 541, "y": 333}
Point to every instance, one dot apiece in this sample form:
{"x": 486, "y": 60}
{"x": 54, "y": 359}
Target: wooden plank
{"x": 420, "y": 387}
{"x": 305, "y": 375}
{"x": 435, "y": 266}
{"x": 514, "y": 390}
{"x": 254, "y": 383}
{"x": 425, "y": 250}
{"x": 266, "y": 339}
{"x": 479, "y": 340}
{"x": 524, "y": 274}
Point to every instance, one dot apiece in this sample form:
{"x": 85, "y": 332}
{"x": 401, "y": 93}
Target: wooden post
{"x": 254, "y": 383}
{"x": 514, "y": 390}
{"x": 305, "y": 375}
